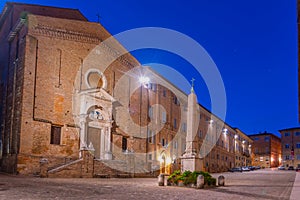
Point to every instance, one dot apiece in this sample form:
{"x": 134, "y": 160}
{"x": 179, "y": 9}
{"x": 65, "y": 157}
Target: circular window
{"x": 95, "y": 79}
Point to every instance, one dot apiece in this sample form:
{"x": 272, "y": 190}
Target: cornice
{"x": 64, "y": 34}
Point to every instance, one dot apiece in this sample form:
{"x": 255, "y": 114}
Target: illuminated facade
{"x": 290, "y": 144}
{"x": 266, "y": 150}
{"x": 55, "y": 107}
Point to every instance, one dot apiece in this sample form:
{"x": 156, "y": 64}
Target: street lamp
{"x": 144, "y": 81}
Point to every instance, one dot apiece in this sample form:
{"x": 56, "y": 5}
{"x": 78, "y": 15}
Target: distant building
{"x": 290, "y": 142}
{"x": 266, "y": 150}
{"x": 242, "y": 147}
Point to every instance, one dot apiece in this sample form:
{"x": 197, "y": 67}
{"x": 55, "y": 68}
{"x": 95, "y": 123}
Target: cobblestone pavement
{"x": 261, "y": 184}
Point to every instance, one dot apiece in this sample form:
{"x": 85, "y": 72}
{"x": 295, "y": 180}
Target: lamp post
{"x": 144, "y": 81}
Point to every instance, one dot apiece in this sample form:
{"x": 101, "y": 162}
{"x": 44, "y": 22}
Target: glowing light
{"x": 272, "y": 159}
{"x": 168, "y": 160}
{"x": 160, "y": 159}
{"x": 249, "y": 145}
{"x": 144, "y": 80}
{"x": 235, "y": 136}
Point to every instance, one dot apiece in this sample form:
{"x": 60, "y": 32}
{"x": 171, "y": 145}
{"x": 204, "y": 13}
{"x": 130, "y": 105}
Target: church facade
{"x": 74, "y": 102}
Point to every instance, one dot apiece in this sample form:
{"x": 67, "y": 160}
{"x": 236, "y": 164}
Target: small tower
{"x": 190, "y": 159}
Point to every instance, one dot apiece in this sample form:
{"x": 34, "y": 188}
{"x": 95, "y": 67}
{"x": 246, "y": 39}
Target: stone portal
{"x": 93, "y": 109}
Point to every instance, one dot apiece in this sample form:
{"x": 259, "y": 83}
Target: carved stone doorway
{"x": 94, "y": 137}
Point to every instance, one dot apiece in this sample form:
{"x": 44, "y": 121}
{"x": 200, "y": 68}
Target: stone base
{"x": 108, "y": 156}
{"x": 191, "y": 163}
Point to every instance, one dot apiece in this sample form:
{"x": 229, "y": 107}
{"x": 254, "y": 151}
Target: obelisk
{"x": 190, "y": 159}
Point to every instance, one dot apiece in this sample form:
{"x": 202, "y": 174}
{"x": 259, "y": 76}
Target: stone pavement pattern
{"x": 295, "y": 195}
{"x": 264, "y": 184}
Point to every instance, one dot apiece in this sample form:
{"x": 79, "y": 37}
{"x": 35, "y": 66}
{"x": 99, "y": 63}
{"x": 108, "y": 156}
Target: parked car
{"x": 291, "y": 168}
{"x": 257, "y": 167}
{"x": 298, "y": 169}
{"x": 281, "y": 167}
{"x": 245, "y": 169}
{"x": 235, "y": 169}
{"x": 252, "y": 168}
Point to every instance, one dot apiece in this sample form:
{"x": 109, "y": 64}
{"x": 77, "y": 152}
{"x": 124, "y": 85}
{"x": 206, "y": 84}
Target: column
{"x": 102, "y": 144}
{"x": 83, "y": 129}
{"x": 108, "y": 154}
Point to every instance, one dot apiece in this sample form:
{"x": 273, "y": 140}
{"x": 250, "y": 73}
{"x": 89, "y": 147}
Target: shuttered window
{"x": 124, "y": 144}
{"x": 55, "y": 134}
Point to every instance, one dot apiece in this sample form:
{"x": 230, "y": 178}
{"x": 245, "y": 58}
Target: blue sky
{"x": 253, "y": 43}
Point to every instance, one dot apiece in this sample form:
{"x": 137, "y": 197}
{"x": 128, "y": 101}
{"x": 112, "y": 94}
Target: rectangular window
{"x": 150, "y": 112}
{"x": 175, "y": 145}
{"x": 267, "y": 138}
{"x": 149, "y": 136}
{"x": 124, "y": 144}
{"x": 164, "y": 117}
{"x": 153, "y": 138}
{"x": 164, "y": 93}
{"x": 256, "y": 139}
{"x": 297, "y": 134}
{"x": 200, "y": 134}
{"x": 261, "y": 159}
{"x": 267, "y": 159}
{"x": 287, "y": 146}
{"x": 175, "y": 123}
{"x": 150, "y": 156}
{"x": 176, "y": 101}
{"x": 163, "y": 142}
{"x": 152, "y": 86}
{"x": 183, "y": 127}
{"x": 287, "y": 157}
{"x": 298, "y": 156}
{"x": 55, "y": 134}
{"x": 286, "y": 134}
{"x": 183, "y": 145}
{"x": 298, "y": 145}
{"x": 267, "y": 149}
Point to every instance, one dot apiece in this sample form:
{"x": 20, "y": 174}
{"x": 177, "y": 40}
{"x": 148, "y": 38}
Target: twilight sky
{"x": 253, "y": 44}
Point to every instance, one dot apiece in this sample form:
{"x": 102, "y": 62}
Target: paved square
{"x": 261, "y": 184}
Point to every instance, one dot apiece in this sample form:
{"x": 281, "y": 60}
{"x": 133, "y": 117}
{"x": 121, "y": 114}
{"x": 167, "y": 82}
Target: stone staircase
{"x": 88, "y": 167}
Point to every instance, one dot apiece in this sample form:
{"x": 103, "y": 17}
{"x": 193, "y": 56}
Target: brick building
{"x": 266, "y": 150}
{"x": 69, "y": 90}
{"x": 290, "y": 144}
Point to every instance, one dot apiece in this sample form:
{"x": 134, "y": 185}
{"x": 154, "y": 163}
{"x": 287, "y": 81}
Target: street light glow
{"x": 144, "y": 80}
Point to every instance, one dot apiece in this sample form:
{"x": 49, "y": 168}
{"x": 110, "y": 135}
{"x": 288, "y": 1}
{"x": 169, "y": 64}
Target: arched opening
{"x": 95, "y": 79}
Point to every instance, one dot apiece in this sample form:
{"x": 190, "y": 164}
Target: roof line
{"x": 206, "y": 109}
{"x": 287, "y": 129}
{"x": 259, "y": 134}
{"x": 56, "y": 7}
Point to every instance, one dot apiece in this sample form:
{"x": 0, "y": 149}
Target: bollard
{"x": 200, "y": 182}
{"x": 221, "y": 180}
{"x": 44, "y": 168}
{"x": 161, "y": 180}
